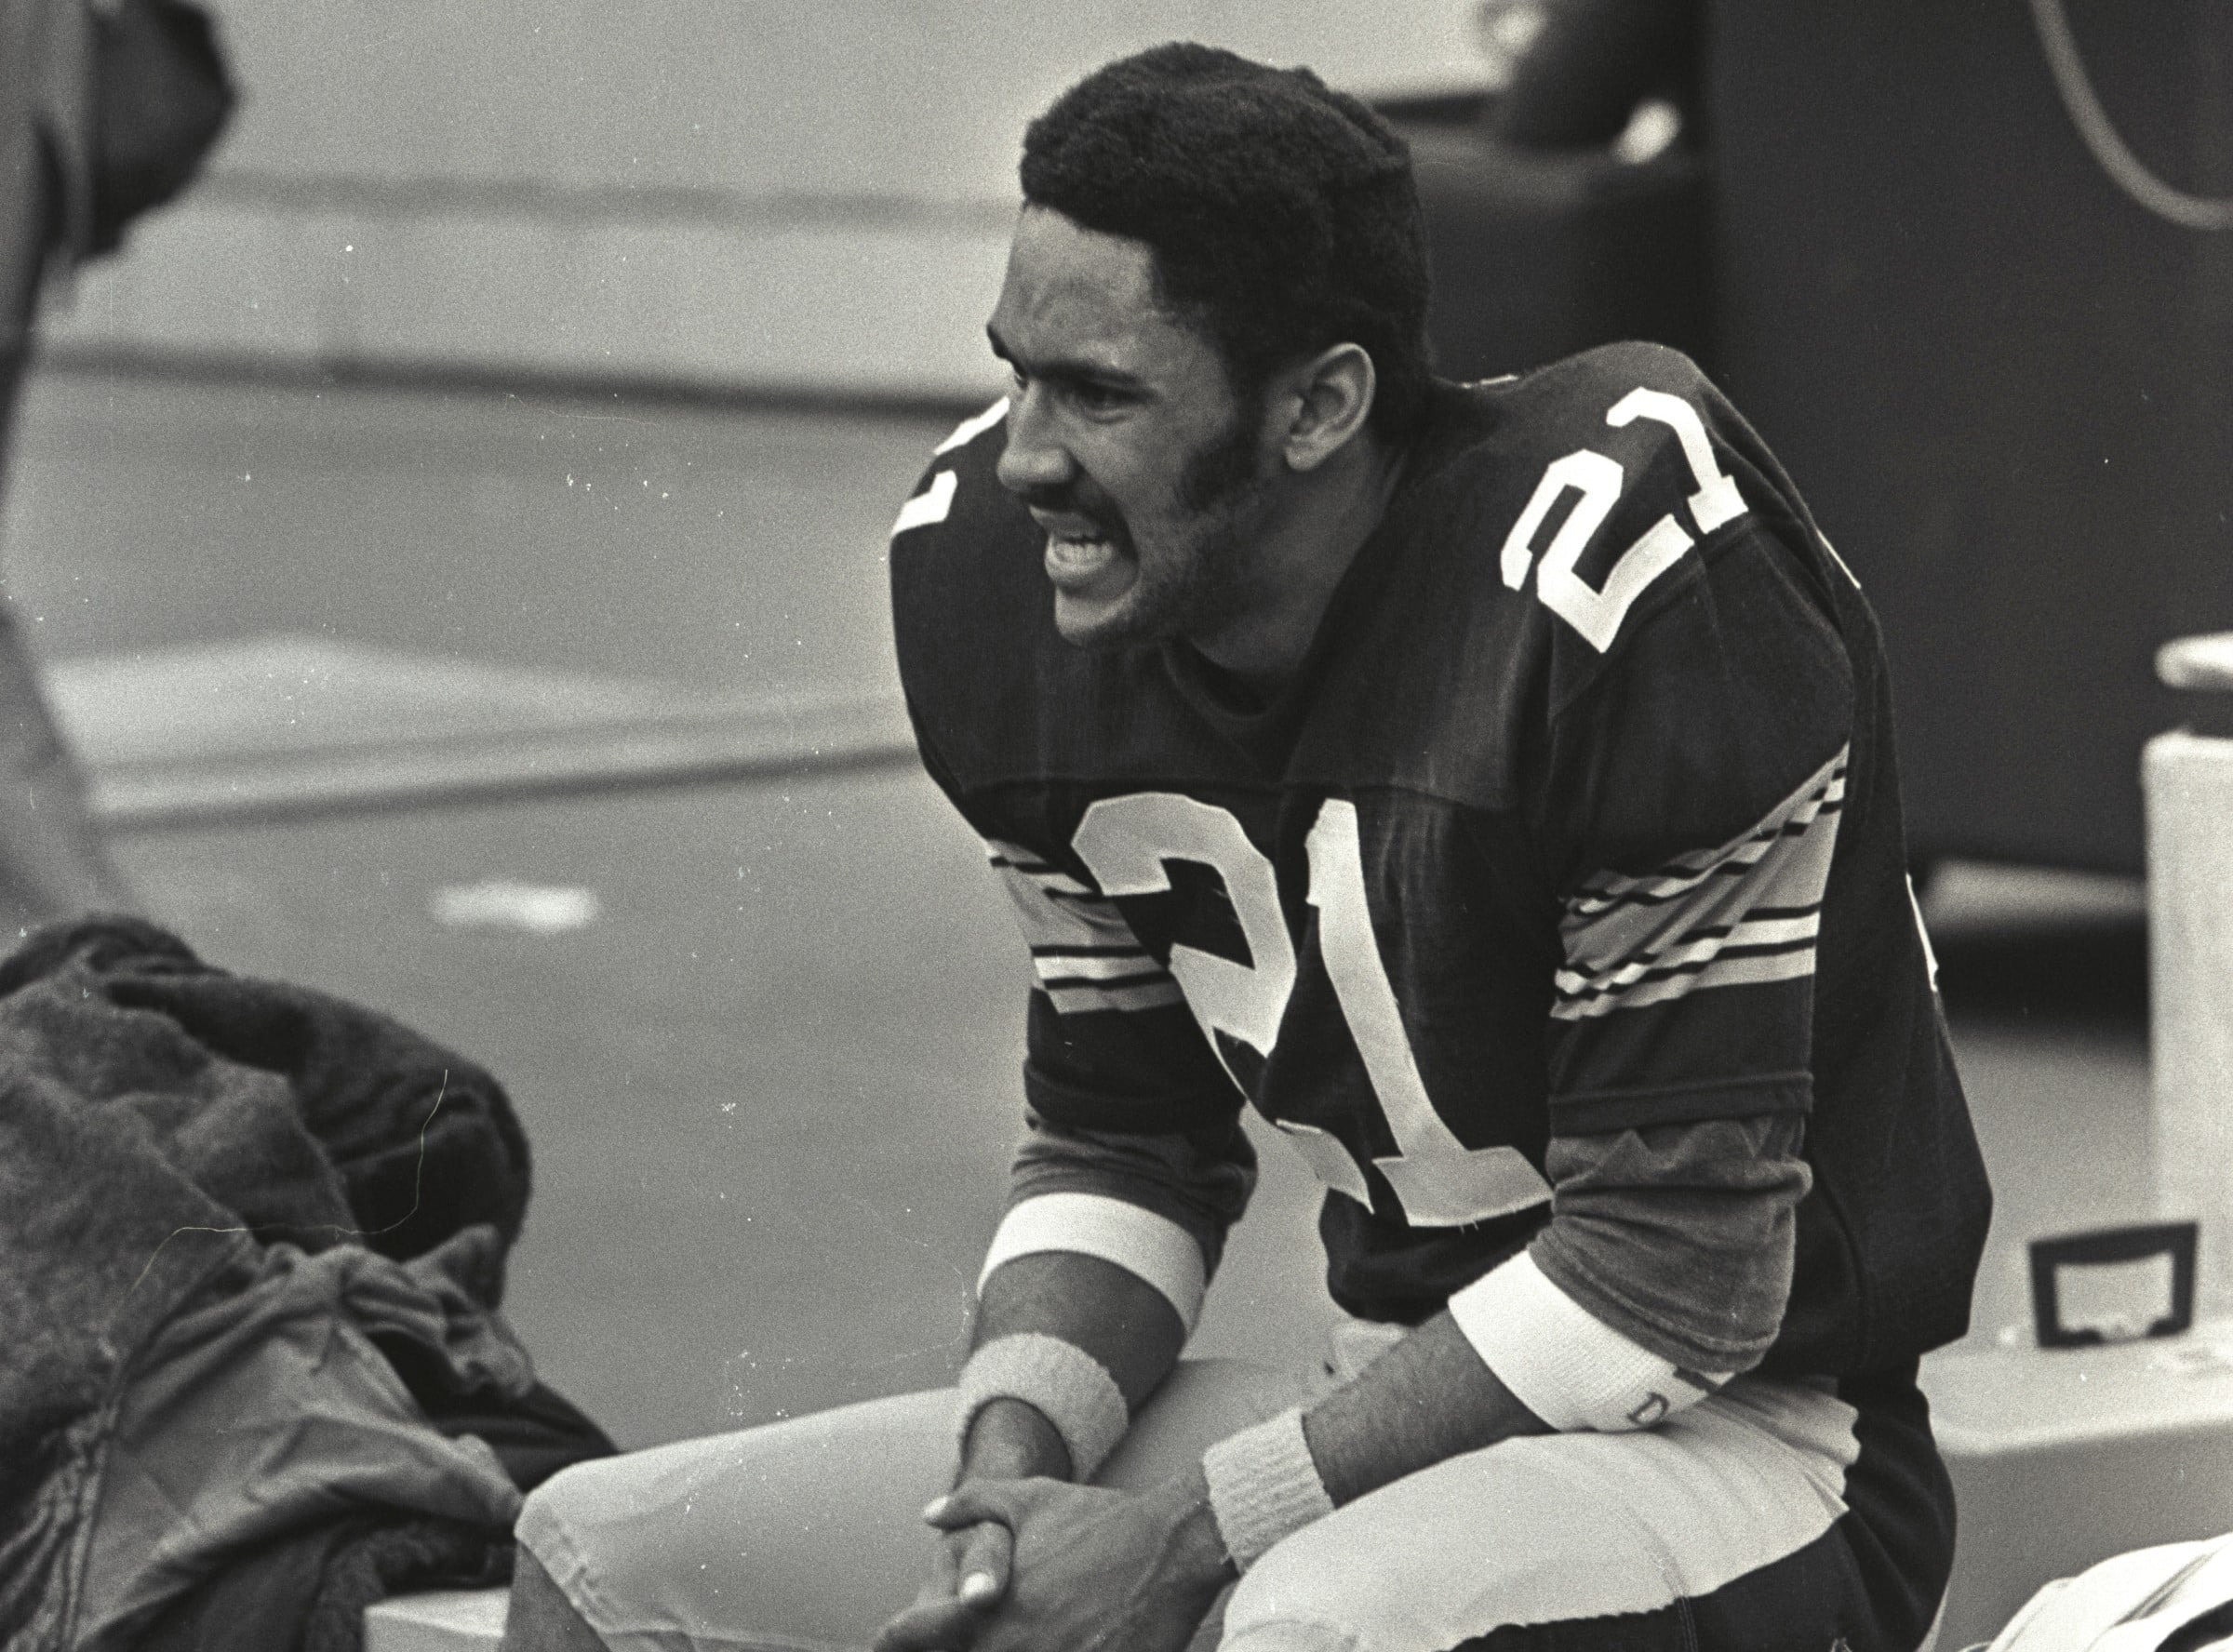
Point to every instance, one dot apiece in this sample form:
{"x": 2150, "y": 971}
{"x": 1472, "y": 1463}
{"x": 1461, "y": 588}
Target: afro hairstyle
{"x": 1282, "y": 214}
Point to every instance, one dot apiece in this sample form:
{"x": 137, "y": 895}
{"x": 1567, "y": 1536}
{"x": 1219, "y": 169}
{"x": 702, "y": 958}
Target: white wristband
{"x": 1060, "y": 1381}
{"x": 1263, "y": 1485}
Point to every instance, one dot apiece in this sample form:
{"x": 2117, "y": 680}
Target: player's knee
{"x": 556, "y": 1533}
{"x": 550, "y": 1509}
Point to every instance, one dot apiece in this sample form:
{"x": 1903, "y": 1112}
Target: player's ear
{"x": 1333, "y": 393}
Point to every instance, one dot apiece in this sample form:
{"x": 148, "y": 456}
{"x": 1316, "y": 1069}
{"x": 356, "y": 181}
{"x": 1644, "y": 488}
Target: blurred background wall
{"x": 733, "y": 194}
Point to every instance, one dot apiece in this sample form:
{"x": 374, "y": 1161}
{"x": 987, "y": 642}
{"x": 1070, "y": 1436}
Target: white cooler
{"x": 2062, "y": 1457}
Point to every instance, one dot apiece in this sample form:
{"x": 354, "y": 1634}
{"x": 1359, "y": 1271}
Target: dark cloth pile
{"x": 252, "y": 1374}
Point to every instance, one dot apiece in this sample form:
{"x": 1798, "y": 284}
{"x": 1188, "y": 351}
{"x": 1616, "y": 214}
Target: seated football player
{"x": 1491, "y": 784}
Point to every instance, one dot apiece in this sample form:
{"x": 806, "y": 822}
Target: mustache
{"x": 1057, "y": 500}
{"x": 1070, "y": 501}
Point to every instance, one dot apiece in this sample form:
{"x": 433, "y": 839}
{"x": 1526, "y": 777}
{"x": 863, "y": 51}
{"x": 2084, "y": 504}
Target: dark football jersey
{"x": 1580, "y": 817}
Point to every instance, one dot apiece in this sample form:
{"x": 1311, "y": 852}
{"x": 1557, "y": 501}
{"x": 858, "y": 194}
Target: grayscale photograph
{"x": 916, "y": 826}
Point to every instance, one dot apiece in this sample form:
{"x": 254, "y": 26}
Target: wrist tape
{"x": 1263, "y": 1485}
{"x": 1060, "y": 1381}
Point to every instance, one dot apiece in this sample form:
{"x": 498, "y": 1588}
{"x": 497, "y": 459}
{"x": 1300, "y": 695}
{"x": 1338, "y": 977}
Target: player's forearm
{"x": 1009, "y": 1440}
{"x": 1429, "y": 1397}
{"x": 1692, "y": 1223}
{"x": 1115, "y": 1316}
{"x": 1110, "y": 1315}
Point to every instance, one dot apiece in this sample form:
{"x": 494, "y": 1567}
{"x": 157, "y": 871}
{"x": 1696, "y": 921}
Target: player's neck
{"x": 1312, "y": 532}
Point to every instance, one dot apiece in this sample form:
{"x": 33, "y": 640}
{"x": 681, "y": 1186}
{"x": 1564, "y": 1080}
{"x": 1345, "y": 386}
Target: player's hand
{"x": 974, "y": 1563}
{"x": 966, "y": 1580}
{"x": 1008, "y": 1440}
{"x": 1093, "y": 1571}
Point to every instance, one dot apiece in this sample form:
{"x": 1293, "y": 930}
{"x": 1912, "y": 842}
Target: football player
{"x": 1492, "y": 785}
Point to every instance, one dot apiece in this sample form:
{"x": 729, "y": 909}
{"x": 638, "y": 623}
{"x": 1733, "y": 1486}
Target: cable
{"x": 2125, "y": 168}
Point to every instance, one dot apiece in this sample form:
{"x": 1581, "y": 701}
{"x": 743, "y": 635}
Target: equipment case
{"x": 2062, "y": 1457}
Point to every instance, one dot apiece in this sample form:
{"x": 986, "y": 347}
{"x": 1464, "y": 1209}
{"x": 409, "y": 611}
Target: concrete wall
{"x": 736, "y": 193}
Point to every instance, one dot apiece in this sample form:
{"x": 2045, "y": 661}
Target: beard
{"x": 1196, "y": 582}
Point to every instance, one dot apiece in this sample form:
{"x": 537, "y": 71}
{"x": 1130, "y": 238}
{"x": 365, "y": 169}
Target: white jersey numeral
{"x": 969, "y": 429}
{"x": 1440, "y": 1181}
{"x": 1922, "y": 933}
{"x": 935, "y": 503}
{"x": 1717, "y": 500}
{"x": 1598, "y": 612}
{"x": 1124, "y": 842}
{"x": 928, "y": 507}
{"x": 1596, "y": 478}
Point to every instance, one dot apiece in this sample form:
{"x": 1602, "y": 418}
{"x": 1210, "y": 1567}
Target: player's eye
{"x": 1091, "y": 397}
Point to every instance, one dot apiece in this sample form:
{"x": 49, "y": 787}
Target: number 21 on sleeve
{"x": 1597, "y": 613}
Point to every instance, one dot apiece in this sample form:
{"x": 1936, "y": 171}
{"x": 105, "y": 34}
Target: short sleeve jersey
{"x": 1580, "y": 817}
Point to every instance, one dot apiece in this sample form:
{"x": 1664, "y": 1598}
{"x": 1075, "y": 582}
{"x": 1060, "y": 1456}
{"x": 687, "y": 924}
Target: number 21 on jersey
{"x": 1125, "y": 842}
{"x": 1597, "y": 614}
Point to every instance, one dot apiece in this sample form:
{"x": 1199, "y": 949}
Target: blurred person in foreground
{"x": 1491, "y": 783}
{"x": 106, "y": 110}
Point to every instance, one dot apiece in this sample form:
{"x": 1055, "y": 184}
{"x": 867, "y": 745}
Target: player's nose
{"x": 1035, "y": 461}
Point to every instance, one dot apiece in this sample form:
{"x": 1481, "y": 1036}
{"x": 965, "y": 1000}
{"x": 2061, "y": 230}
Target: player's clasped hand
{"x": 966, "y": 1580}
{"x": 1084, "y": 1569}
